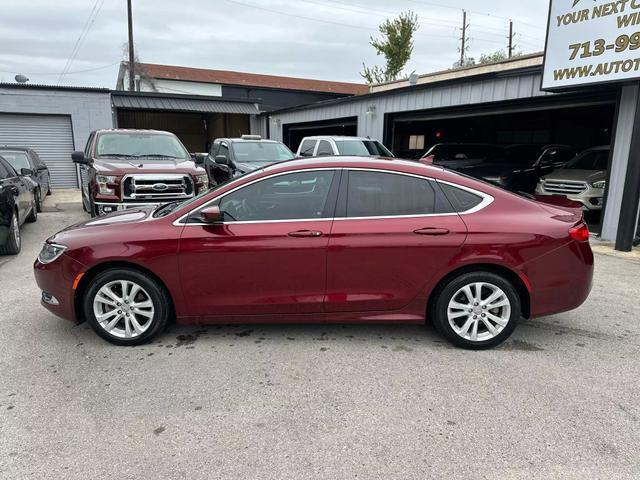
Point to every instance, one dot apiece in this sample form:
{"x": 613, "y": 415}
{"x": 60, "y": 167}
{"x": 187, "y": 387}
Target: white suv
{"x": 354, "y": 146}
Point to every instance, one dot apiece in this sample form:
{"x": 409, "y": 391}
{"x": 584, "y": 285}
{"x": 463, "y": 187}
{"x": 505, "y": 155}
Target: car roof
{"x": 338, "y": 137}
{"x": 133, "y": 130}
{"x": 245, "y": 140}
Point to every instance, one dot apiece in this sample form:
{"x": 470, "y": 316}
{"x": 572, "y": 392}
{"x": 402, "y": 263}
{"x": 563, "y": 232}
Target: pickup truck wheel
{"x": 126, "y": 307}
{"x": 14, "y": 242}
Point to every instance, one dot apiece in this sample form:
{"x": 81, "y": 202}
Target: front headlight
{"x": 103, "y": 181}
{"x": 203, "y": 180}
{"x": 50, "y": 252}
{"x": 600, "y": 184}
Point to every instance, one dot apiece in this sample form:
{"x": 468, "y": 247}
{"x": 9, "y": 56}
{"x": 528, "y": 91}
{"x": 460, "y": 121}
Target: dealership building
{"x": 504, "y": 103}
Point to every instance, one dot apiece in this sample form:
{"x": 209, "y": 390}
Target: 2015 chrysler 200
{"x": 340, "y": 239}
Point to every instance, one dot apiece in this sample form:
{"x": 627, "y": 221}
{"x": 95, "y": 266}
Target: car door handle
{"x": 305, "y": 233}
{"x": 432, "y": 231}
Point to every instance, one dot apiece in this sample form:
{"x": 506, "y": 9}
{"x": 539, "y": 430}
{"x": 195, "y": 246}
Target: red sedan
{"x": 324, "y": 240}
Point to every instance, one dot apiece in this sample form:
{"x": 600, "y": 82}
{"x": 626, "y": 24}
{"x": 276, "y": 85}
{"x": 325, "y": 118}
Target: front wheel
{"x": 126, "y": 307}
{"x": 477, "y": 310}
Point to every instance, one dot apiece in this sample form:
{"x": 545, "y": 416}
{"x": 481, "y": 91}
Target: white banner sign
{"x": 591, "y": 41}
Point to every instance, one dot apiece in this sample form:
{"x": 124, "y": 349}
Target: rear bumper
{"x": 561, "y": 280}
{"x": 55, "y": 280}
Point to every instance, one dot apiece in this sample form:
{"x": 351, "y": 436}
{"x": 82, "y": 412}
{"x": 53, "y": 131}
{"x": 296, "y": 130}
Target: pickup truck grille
{"x": 164, "y": 188}
{"x": 566, "y": 187}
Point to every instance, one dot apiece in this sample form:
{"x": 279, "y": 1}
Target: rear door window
{"x": 307, "y": 147}
{"x": 5, "y": 170}
{"x": 377, "y": 194}
{"x": 324, "y": 149}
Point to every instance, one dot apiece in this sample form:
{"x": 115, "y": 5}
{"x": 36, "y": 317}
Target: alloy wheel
{"x": 123, "y": 309}
{"x": 479, "y": 311}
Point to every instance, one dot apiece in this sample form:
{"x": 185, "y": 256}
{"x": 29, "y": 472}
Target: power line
{"x": 278, "y": 12}
{"x": 97, "y": 6}
{"x": 68, "y": 73}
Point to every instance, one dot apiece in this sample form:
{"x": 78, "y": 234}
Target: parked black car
{"x": 455, "y": 156}
{"x": 21, "y": 157}
{"x": 519, "y": 167}
{"x": 231, "y": 157}
{"x": 17, "y": 205}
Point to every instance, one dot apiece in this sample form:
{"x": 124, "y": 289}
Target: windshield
{"x": 17, "y": 160}
{"x": 140, "y": 145}
{"x": 261, "y": 152}
{"x": 362, "y": 148}
{"x": 590, "y": 160}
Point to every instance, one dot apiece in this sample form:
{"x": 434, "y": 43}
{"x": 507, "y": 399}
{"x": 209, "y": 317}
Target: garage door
{"x": 50, "y": 136}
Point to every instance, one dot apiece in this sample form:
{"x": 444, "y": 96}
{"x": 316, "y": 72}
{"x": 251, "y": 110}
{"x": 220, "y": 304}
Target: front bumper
{"x": 55, "y": 280}
{"x": 102, "y": 208}
{"x": 590, "y": 199}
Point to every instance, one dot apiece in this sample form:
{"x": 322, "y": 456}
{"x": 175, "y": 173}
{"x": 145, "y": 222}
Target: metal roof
{"x": 182, "y": 103}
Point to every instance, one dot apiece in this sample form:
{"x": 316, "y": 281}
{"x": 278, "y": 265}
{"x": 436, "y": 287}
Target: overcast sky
{"x": 324, "y": 39}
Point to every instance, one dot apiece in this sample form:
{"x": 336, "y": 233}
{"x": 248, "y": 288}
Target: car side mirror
{"x": 211, "y": 215}
{"x": 26, "y": 172}
{"x": 222, "y": 159}
{"x": 78, "y": 157}
{"x": 199, "y": 158}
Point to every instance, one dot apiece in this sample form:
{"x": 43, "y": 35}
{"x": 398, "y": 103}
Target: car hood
{"x": 588, "y": 176}
{"x": 95, "y": 230}
{"x": 123, "y": 166}
{"x": 244, "y": 167}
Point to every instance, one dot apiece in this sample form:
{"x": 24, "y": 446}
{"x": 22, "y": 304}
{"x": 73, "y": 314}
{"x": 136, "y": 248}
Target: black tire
{"x": 33, "y": 215}
{"x": 156, "y": 293}
{"x": 38, "y": 200}
{"x": 13, "y": 243}
{"x": 451, "y": 289}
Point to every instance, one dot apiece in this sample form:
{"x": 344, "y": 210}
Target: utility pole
{"x": 511, "y": 45}
{"x": 463, "y": 47}
{"x": 132, "y": 74}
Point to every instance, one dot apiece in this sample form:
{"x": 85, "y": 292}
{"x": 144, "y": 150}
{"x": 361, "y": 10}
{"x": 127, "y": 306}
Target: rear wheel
{"x": 14, "y": 241}
{"x": 126, "y": 307}
{"x": 33, "y": 215}
{"x": 477, "y": 310}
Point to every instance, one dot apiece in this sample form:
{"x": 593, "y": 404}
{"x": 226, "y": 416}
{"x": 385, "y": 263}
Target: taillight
{"x": 580, "y": 233}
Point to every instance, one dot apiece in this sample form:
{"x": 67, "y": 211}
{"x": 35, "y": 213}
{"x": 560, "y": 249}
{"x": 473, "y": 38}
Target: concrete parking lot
{"x": 558, "y": 400}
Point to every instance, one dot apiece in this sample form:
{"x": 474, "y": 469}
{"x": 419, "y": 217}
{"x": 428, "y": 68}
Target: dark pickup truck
{"x": 123, "y": 169}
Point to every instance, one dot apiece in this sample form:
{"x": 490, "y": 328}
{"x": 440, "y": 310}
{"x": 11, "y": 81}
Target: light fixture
{"x": 371, "y": 110}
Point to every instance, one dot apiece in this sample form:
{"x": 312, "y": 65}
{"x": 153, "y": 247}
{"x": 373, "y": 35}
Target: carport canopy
{"x": 182, "y": 103}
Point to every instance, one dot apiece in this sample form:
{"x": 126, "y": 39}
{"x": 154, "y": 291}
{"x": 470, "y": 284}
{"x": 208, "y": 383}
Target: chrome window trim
{"x": 486, "y": 200}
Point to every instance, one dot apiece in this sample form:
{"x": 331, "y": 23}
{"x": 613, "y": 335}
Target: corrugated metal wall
{"x": 507, "y": 87}
{"x": 50, "y": 136}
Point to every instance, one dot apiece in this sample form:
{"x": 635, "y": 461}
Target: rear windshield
{"x": 140, "y": 145}
{"x": 17, "y": 160}
{"x": 590, "y": 160}
{"x": 362, "y": 148}
{"x": 261, "y": 152}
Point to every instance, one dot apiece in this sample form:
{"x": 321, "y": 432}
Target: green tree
{"x": 497, "y": 56}
{"x": 396, "y": 45}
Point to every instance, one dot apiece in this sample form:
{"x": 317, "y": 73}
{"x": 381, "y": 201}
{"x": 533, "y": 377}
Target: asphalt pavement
{"x": 560, "y": 399}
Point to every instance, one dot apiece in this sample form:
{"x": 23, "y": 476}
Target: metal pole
{"x": 628, "y": 221}
{"x": 132, "y": 74}
{"x": 464, "y": 37}
{"x": 510, "y": 38}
